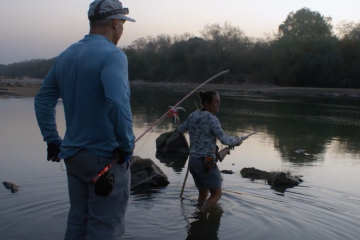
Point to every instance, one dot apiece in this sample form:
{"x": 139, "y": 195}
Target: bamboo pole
{"x": 177, "y": 104}
{"x": 186, "y": 176}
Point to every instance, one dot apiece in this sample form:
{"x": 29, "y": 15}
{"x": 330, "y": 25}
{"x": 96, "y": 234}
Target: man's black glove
{"x": 53, "y": 150}
{"x": 122, "y": 156}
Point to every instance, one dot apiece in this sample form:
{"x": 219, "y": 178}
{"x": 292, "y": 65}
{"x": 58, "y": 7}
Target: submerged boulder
{"x": 275, "y": 179}
{"x": 9, "y": 185}
{"x": 174, "y": 142}
{"x": 161, "y": 140}
{"x": 227, "y": 171}
{"x": 144, "y": 172}
{"x": 282, "y": 179}
{"x": 254, "y": 173}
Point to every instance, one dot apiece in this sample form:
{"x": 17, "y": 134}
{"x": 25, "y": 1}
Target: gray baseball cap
{"x": 107, "y": 9}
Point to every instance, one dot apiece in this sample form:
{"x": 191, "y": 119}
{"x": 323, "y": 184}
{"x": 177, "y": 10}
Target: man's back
{"x": 91, "y": 77}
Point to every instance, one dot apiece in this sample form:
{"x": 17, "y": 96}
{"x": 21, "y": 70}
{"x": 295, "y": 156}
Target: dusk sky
{"x": 32, "y": 29}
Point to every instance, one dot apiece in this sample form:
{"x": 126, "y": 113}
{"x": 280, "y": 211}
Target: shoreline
{"x": 258, "y": 89}
{"x": 28, "y": 87}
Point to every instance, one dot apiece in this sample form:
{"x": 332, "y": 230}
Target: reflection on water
{"x": 205, "y": 225}
{"x": 324, "y": 206}
{"x": 175, "y": 160}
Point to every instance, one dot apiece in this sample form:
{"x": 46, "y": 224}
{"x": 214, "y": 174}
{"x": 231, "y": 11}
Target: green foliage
{"x": 349, "y": 47}
{"x": 35, "y": 68}
{"x": 349, "y": 30}
{"x": 307, "y": 61}
{"x": 350, "y": 50}
{"x": 305, "y": 22}
{"x": 2, "y": 69}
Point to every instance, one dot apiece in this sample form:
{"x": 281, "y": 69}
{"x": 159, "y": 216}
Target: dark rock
{"x": 254, "y": 173}
{"x": 9, "y": 185}
{"x": 298, "y": 178}
{"x": 227, "y": 171}
{"x": 172, "y": 142}
{"x": 144, "y": 172}
{"x": 274, "y": 179}
{"x": 161, "y": 140}
{"x": 282, "y": 179}
{"x": 177, "y": 143}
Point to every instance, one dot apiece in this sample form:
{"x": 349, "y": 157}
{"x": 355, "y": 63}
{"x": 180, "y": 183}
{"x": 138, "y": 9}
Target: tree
{"x": 182, "y": 37}
{"x": 35, "y": 68}
{"x": 306, "y": 23}
{"x": 226, "y": 36}
{"x": 305, "y": 61}
{"x": 228, "y": 45}
{"x": 349, "y": 30}
{"x": 349, "y": 46}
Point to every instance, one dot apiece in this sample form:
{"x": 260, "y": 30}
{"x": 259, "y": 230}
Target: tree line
{"x": 35, "y": 68}
{"x": 304, "y": 52}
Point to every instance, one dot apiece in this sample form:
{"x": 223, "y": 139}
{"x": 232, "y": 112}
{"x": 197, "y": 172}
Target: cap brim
{"x": 128, "y": 19}
{"x": 121, "y": 16}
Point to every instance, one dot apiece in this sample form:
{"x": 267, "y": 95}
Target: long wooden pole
{"x": 176, "y": 105}
{"x": 188, "y": 169}
{"x": 186, "y": 176}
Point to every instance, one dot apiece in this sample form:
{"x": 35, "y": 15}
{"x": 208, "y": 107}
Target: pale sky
{"x": 43, "y": 28}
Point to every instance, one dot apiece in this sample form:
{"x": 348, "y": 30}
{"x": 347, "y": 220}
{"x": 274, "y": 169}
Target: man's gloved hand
{"x": 122, "y": 156}
{"x": 53, "y": 150}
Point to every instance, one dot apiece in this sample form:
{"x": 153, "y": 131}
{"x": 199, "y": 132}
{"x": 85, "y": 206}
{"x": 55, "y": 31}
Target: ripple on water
{"x": 298, "y": 212}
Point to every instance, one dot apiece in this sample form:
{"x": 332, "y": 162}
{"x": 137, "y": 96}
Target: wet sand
{"x": 28, "y": 87}
{"x": 22, "y": 87}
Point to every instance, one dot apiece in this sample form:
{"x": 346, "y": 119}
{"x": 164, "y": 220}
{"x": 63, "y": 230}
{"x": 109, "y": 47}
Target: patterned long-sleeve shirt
{"x": 204, "y": 128}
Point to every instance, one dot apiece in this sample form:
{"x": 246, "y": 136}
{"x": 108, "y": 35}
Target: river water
{"x": 325, "y": 206}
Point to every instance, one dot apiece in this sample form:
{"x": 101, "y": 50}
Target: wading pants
{"x": 94, "y": 217}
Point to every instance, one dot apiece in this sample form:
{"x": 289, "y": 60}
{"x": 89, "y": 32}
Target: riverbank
{"x": 20, "y": 87}
{"x": 28, "y": 87}
{"x": 259, "y": 89}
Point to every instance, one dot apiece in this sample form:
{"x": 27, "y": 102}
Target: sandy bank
{"x": 28, "y": 87}
{"x": 23, "y": 87}
{"x": 260, "y": 89}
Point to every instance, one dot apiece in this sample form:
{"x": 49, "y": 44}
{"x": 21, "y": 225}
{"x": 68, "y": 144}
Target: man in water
{"x": 91, "y": 77}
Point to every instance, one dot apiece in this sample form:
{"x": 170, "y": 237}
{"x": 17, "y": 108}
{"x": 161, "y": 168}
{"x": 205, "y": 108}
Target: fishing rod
{"x": 177, "y": 104}
{"x": 226, "y": 151}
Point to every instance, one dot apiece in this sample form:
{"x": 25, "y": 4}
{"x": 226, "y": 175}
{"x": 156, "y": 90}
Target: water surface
{"x": 325, "y": 206}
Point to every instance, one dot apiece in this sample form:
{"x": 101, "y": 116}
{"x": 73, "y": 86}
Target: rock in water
{"x": 282, "y": 179}
{"x": 144, "y": 172}
{"x": 9, "y": 185}
{"x": 253, "y": 173}
{"x": 172, "y": 142}
{"x": 161, "y": 140}
{"x": 177, "y": 143}
{"x": 275, "y": 179}
{"x": 227, "y": 171}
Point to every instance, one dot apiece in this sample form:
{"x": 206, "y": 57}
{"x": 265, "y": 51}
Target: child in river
{"x": 204, "y": 128}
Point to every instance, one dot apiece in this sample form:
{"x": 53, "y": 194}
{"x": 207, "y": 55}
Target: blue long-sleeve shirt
{"x": 91, "y": 77}
{"x": 204, "y": 128}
